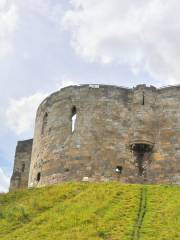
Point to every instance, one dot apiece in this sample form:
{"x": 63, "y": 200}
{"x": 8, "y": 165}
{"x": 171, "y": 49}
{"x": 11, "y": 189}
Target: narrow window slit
{"x": 38, "y": 177}
{"x": 73, "y": 118}
{"x": 143, "y": 99}
{"x": 23, "y": 167}
{"x": 45, "y": 121}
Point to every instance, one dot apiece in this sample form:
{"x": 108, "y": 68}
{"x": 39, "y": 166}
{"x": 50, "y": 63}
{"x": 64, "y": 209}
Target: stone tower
{"x": 103, "y": 133}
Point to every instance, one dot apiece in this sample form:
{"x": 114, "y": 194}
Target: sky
{"x": 49, "y": 44}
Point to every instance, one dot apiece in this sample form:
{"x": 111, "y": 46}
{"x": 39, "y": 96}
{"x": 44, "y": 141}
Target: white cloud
{"x": 21, "y": 113}
{"x": 4, "y": 182}
{"x": 47, "y": 8}
{"x": 8, "y": 25}
{"x": 65, "y": 81}
{"x": 144, "y": 35}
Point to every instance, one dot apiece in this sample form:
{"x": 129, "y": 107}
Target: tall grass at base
{"x": 70, "y": 211}
{"x": 90, "y": 211}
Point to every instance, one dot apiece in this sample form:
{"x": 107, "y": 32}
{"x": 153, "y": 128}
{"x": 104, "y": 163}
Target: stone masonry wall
{"x": 22, "y": 161}
{"x": 129, "y": 135}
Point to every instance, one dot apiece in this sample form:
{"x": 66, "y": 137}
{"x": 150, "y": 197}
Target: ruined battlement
{"x": 22, "y": 162}
{"x": 102, "y": 133}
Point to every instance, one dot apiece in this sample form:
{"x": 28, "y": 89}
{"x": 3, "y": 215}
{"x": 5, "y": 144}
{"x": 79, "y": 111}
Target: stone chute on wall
{"x": 90, "y": 131}
{"x": 142, "y": 157}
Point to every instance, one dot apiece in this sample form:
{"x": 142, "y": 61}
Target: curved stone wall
{"x": 98, "y": 143}
{"x": 131, "y": 135}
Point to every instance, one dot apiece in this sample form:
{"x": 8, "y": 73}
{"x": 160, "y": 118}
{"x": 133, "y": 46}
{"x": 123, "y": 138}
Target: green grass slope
{"x": 86, "y": 211}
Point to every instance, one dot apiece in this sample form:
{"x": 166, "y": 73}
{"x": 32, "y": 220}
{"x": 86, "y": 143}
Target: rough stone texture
{"x": 22, "y": 161}
{"x": 135, "y": 130}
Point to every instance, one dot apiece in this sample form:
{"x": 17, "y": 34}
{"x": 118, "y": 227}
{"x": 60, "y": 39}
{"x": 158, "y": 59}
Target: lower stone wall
{"x": 22, "y": 161}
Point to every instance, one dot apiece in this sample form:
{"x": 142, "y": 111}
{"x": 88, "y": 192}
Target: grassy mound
{"x": 96, "y": 211}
